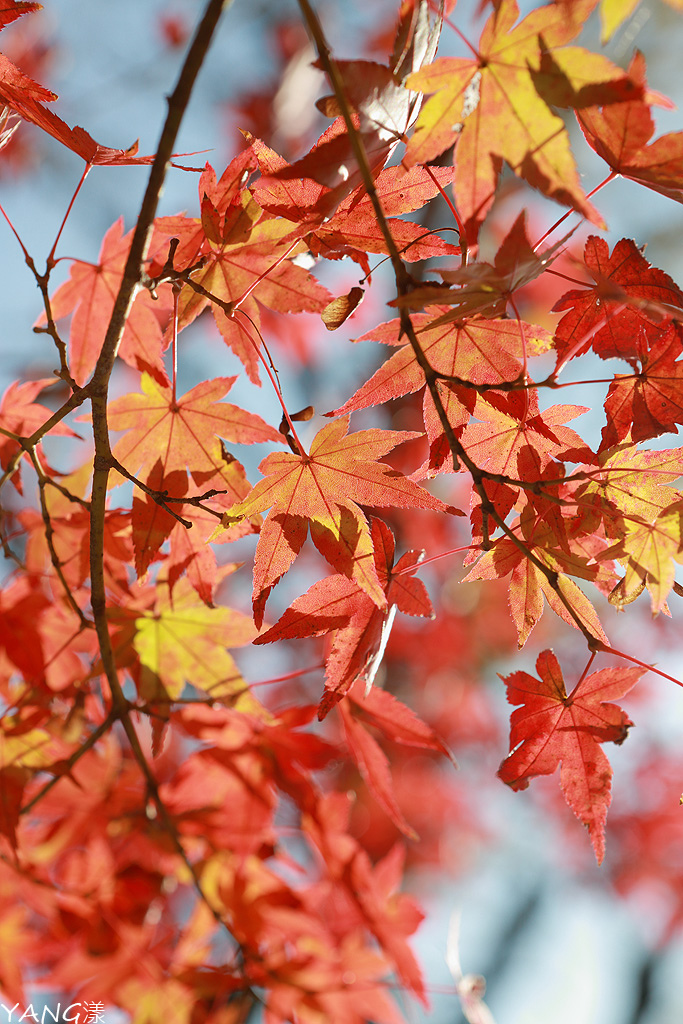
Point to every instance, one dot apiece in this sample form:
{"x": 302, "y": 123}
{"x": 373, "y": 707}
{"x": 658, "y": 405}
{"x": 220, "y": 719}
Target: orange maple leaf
{"x": 325, "y": 488}
{"x": 183, "y": 434}
{"x": 476, "y": 350}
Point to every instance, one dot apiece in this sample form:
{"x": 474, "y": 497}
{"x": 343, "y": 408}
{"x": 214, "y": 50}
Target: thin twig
{"x": 81, "y": 181}
{"x": 158, "y": 496}
{"x": 229, "y": 308}
{"x": 164, "y": 499}
{"x": 43, "y": 480}
{"x": 67, "y": 765}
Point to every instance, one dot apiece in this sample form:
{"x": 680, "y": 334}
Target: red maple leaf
{"x": 650, "y": 402}
{"x": 338, "y": 605}
{"x": 153, "y": 525}
{"x": 373, "y": 765}
{"x": 551, "y": 728}
{"x": 481, "y": 287}
{"x": 27, "y": 98}
{"x": 382, "y": 108}
{"x": 476, "y": 350}
{"x": 547, "y": 537}
{"x": 89, "y": 295}
{"x": 518, "y": 448}
{"x": 353, "y": 229}
{"x": 399, "y": 190}
{"x": 620, "y": 134}
{"x": 13, "y": 779}
{"x": 246, "y": 255}
{"x": 618, "y": 314}
{"x": 10, "y": 10}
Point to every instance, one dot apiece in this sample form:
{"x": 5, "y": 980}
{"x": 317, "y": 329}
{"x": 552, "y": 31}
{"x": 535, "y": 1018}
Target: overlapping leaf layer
{"x": 149, "y": 786}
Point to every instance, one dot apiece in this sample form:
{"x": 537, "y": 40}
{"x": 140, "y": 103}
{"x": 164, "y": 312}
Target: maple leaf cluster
{"x": 174, "y": 832}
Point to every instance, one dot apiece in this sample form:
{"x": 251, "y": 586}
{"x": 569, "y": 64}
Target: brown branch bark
{"x": 98, "y": 388}
{"x": 98, "y": 392}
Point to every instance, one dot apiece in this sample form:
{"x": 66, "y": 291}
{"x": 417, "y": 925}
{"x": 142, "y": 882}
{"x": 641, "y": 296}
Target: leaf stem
{"x": 158, "y": 496}
{"x": 457, "y": 31}
{"x": 525, "y": 363}
{"x": 462, "y": 232}
{"x": 289, "y": 675}
{"x": 16, "y": 235}
{"x": 43, "y": 480}
{"x": 435, "y": 558}
{"x": 230, "y": 309}
{"x": 590, "y": 661}
{"x": 175, "y": 287}
{"x": 610, "y": 176}
{"x": 51, "y": 257}
{"x": 566, "y": 277}
{"x": 272, "y": 374}
{"x": 607, "y": 649}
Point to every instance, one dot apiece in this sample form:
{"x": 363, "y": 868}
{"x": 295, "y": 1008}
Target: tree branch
{"x": 98, "y": 392}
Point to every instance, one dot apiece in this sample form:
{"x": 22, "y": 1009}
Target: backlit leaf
{"x": 551, "y": 729}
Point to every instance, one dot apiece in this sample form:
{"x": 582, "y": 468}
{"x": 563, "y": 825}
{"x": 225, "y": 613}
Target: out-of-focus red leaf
{"x": 395, "y": 720}
{"x": 373, "y": 765}
{"x": 13, "y": 779}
